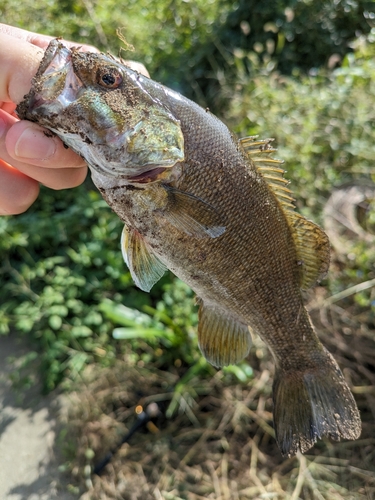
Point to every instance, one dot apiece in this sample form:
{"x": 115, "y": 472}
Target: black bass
{"x": 215, "y": 211}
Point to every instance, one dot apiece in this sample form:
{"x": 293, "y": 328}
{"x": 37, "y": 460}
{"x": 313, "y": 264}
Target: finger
{"x": 17, "y": 191}
{"x": 25, "y": 55}
{"x": 42, "y": 41}
{"x": 62, "y": 178}
{"x": 54, "y": 165}
{"x": 9, "y": 107}
{"x": 136, "y": 66}
{"x": 19, "y": 63}
{"x": 39, "y": 40}
{"x": 28, "y": 142}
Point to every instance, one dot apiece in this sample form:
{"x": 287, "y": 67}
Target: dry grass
{"x": 220, "y": 443}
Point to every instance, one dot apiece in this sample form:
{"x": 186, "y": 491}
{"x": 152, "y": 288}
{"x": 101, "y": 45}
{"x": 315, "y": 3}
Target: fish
{"x": 217, "y": 212}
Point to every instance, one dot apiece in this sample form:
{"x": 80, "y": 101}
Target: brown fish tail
{"x": 311, "y": 404}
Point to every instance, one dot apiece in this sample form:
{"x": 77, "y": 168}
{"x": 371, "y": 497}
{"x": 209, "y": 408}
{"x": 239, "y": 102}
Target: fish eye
{"x": 109, "y": 78}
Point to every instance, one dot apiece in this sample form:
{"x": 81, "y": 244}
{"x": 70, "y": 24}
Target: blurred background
{"x": 300, "y": 71}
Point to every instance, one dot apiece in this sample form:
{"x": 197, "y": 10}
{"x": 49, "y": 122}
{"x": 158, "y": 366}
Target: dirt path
{"x": 29, "y": 460}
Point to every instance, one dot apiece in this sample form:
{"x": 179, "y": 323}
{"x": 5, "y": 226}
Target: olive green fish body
{"x": 251, "y": 270}
{"x": 216, "y": 212}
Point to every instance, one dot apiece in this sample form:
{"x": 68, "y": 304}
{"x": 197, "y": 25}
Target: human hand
{"x": 28, "y": 155}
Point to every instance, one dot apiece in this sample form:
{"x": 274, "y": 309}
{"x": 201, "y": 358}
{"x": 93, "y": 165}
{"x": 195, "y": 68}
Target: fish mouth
{"x": 153, "y": 175}
{"x": 56, "y": 84}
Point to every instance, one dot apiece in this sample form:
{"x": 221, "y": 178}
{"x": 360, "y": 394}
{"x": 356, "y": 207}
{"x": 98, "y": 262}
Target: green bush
{"x": 62, "y": 272}
{"x": 191, "y": 45}
{"x": 323, "y": 125}
{"x": 59, "y": 261}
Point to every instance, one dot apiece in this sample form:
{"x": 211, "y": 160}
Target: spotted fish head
{"x": 101, "y": 109}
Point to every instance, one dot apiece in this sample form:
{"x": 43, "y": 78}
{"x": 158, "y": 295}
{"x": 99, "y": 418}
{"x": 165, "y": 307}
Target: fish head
{"x": 102, "y": 109}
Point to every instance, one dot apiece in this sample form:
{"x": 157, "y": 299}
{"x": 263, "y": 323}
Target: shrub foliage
{"x": 265, "y": 66}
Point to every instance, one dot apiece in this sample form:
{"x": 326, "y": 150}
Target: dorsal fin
{"x": 260, "y": 153}
{"x": 313, "y": 249}
{"x": 312, "y": 244}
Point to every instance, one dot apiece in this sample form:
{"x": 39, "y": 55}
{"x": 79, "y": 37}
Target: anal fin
{"x": 222, "y": 339}
{"x": 145, "y": 267}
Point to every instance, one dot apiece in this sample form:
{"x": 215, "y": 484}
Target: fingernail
{"x": 3, "y": 127}
{"x": 34, "y": 144}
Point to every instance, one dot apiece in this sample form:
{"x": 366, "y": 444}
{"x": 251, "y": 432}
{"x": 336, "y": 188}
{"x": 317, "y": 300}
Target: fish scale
{"x": 215, "y": 211}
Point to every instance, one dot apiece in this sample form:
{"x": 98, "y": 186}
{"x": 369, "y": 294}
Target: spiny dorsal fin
{"x": 222, "y": 339}
{"x": 253, "y": 146}
{"x": 145, "y": 267}
{"x": 312, "y": 244}
{"x": 260, "y": 153}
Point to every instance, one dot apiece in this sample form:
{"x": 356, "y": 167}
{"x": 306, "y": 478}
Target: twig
{"x": 253, "y": 465}
{"x": 301, "y": 477}
{"x": 346, "y": 293}
{"x": 215, "y": 479}
{"x": 91, "y": 12}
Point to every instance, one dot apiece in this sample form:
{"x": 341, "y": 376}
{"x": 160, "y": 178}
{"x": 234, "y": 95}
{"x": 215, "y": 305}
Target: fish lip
{"x": 56, "y": 64}
{"x": 53, "y": 50}
{"x": 152, "y": 175}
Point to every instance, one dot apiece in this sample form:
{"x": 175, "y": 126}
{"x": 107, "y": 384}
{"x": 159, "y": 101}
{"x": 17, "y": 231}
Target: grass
{"x": 218, "y": 442}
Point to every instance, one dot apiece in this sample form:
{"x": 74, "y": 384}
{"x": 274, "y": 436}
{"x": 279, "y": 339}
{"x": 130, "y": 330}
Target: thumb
{"x": 17, "y": 190}
{"x": 19, "y": 63}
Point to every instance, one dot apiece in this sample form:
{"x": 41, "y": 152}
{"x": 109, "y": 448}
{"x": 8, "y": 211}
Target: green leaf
{"x": 55, "y": 322}
{"x": 78, "y": 361}
{"x": 123, "y": 315}
{"x": 243, "y": 372}
{"x": 80, "y": 331}
{"x": 141, "y": 333}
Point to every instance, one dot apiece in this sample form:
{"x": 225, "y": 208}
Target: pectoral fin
{"x": 145, "y": 267}
{"x": 222, "y": 339}
{"x": 192, "y": 214}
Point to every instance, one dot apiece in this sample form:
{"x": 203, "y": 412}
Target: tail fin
{"x": 311, "y": 404}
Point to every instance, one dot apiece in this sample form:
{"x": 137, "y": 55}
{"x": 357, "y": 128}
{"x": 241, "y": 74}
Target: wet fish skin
{"x": 213, "y": 210}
